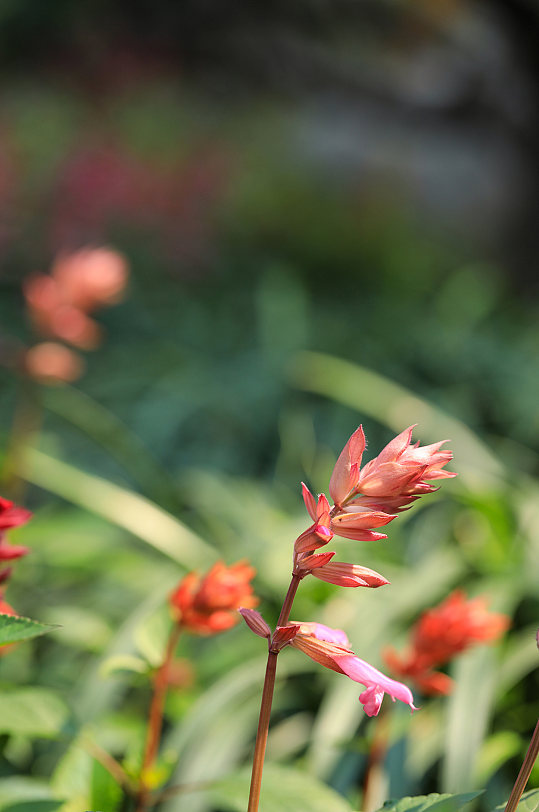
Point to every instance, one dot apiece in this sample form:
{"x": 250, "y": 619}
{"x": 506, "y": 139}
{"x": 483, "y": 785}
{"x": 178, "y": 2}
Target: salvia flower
{"x": 365, "y": 499}
{"x": 330, "y": 648}
{"x": 440, "y": 634}
{"x": 208, "y": 604}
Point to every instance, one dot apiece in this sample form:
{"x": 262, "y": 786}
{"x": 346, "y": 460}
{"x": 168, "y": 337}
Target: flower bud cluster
{"x": 365, "y": 499}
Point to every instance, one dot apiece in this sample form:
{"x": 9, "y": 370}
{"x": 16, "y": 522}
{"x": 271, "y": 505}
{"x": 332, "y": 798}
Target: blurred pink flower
{"x": 50, "y": 362}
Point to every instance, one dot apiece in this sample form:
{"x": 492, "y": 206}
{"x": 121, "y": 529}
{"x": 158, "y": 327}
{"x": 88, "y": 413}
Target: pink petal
{"x": 346, "y": 471}
{"x": 367, "y": 675}
{"x": 394, "y": 449}
{"x": 371, "y": 699}
{"x": 310, "y": 501}
{"x": 337, "y": 636}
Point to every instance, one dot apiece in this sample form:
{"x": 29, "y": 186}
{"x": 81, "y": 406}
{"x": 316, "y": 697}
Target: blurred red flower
{"x": 208, "y": 604}
{"x": 442, "y": 633}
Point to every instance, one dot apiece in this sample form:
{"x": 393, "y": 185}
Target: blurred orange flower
{"x": 208, "y": 604}
{"x": 442, "y": 633}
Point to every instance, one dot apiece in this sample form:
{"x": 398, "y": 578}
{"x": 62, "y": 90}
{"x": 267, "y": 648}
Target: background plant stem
{"x": 155, "y": 718}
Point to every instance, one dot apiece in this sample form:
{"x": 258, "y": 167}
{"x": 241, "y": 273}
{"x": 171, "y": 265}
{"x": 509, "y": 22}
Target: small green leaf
{"x": 434, "y": 802}
{"x": 152, "y": 634}
{"x": 105, "y": 792}
{"x": 45, "y": 805}
{"x": 32, "y": 712}
{"x": 528, "y": 803}
{"x": 121, "y": 663}
{"x": 283, "y": 790}
{"x": 13, "y": 629}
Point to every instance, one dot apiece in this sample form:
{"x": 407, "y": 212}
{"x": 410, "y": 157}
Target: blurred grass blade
{"x": 14, "y": 628}
{"x": 125, "y": 508}
{"x": 469, "y": 710}
{"x": 384, "y": 400}
{"x": 102, "y": 426}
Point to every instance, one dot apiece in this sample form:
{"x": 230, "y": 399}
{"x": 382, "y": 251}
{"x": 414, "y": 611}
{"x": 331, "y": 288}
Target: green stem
{"x": 525, "y": 770}
{"x": 265, "y": 705}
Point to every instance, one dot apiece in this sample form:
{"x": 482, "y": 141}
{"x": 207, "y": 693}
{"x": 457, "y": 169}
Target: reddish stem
{"x": 155, "y": 718}
{"x": 265, "y": 705}
{"x": 525, "y": 770}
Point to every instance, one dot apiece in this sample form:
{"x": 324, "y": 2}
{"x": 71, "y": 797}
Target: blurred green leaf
{"x": 434, "y": 802}
{"x": 13, "y": 629}
{"x": 125, "y": 508}
{"x": 23, "y": 788}
{"x": 114, "y": 436}
{"x": 123, "y": 662}
{"x": 496, "y": 750}
{"x": 152, "y": 634}
{"x": 105, "y": 793}
{"x": 384, "y": 400}
{"x": 528, "y": 803}
{"x": 32, "y": 712}
{"x": 283, "y": 790}
{"x": 469, "y": 710}
{"x": 33, "y": 806}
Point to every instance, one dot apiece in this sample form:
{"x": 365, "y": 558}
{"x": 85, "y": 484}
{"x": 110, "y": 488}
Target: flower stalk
{"x": 267, "y": 699}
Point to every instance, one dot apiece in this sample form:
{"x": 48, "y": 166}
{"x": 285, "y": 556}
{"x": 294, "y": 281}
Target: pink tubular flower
{"x": 329, "y": 647}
